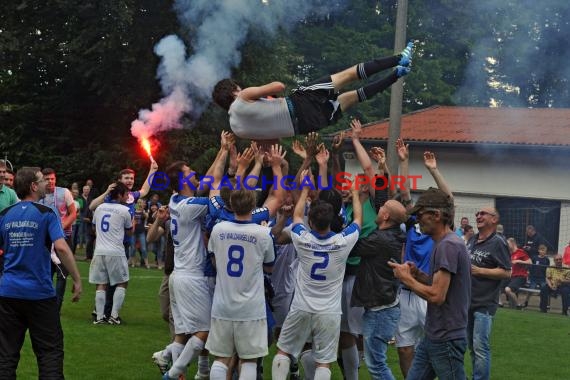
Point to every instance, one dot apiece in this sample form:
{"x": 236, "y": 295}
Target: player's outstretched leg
{"x": 366, "y": 69}
{"x": 350, "y": 98}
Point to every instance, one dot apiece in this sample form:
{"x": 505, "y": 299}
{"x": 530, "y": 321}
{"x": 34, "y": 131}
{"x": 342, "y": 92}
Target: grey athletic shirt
{"x": 263, "y": 119}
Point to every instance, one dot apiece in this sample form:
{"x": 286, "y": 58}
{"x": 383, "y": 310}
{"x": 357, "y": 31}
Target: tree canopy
{"x": 74, "y": 73}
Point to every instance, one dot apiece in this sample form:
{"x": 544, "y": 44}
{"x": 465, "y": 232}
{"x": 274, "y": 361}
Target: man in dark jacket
{"x": 376, "y": 288}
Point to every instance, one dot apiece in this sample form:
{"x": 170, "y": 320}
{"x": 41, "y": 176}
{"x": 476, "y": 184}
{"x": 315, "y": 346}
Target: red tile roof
{"x": 477, "y": 125}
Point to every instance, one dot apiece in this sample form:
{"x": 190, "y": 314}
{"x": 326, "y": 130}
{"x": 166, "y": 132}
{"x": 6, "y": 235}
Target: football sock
{"x": 248, "y": 371}
{"x": 118, "y": 299}
{"x": 280, "y": 367}
{"x": 366, "y": 69}
{"x": 203, "y": 364}
{"x": 191, "y": 351}
{"x": 375, "y": 87}
{"x": 175, "y": 350}
{"x": 218, "y": 371}
{"x": 322, "y": 373}
{"x": 350, "y": 362}
{"x": 308, "y": 362}
{"x": 100, "y": 303}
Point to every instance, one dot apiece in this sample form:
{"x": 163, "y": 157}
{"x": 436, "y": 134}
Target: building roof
{"x": 478, "y": 125}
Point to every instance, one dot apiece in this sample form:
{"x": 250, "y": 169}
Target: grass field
{"x": 525, "y": 344}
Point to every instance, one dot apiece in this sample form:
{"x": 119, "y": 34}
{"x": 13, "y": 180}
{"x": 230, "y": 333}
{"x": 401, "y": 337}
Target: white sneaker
{"x": 162, "y": 363}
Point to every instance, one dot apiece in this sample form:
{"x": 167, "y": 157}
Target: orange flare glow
{"x": 146, "y": 146}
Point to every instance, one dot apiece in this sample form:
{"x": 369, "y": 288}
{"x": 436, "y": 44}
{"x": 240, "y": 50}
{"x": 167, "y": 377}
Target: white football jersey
{"x": 322, "y": 262}
{"x": 240, "y": 249}
{"x": 111, "y": 220}
{"x": 186, "y": 215}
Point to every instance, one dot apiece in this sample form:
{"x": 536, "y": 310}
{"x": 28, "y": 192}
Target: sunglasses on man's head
{"x": 426, "y": 211}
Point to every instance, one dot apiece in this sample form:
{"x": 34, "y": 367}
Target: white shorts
{"x": 300, "y": 325}
{"x": 246, "y": 338}
{"x": 412, "y": 322}
{"x": 281, "y": 304}
{"x": 111, "y": 270}
{"x": 190, "y": 302}
{"x": 351, "y": 320}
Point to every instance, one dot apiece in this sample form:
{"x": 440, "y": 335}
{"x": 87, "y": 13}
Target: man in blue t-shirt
{"x": 27, "y": 297}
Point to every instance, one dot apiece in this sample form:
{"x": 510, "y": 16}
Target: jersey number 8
{"x": 236, "y": 254}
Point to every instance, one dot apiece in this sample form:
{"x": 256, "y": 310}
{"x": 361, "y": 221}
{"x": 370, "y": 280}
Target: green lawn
{"x": 526, "y": 344}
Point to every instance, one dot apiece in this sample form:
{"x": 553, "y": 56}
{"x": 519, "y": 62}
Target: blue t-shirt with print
{"x": 27, "y": 231}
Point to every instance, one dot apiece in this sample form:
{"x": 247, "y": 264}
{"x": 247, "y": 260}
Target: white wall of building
{"x": 564, "y": 236}
{"x": 476, "y": 178}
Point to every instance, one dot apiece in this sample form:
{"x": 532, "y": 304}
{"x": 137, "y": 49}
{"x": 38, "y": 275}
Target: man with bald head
{"x": 490, "y": 263}
{"x": 376, "y": 288}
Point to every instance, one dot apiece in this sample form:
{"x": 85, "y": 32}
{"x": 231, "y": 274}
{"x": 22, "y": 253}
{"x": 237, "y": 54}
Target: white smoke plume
{"x": 221, "y": 28}
{"x": 517, "y": 58}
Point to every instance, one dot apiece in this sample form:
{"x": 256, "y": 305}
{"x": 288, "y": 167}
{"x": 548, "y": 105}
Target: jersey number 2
{"x": 322, "y": 265}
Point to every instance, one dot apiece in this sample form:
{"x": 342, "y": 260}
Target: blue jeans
{"x": 443, "y": 360}
{"x": 378, "y": 327}
{"x": 140, "y": 237}
{"x": 478, "y": 333}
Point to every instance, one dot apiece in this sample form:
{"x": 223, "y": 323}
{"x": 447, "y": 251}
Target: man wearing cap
{"x": 418, "y": 248}
{"x": 376, "y": 288}
{"x": 490, "y": 264}
{"x": 447, "y": 289}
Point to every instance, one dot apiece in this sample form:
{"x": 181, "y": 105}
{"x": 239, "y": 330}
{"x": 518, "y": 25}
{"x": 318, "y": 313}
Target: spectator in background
{"x": 157, "y": 246}
{"x": 460, "y": 230}
{"x": 537, "y": 271}
{"x": 533, "y": 241}
{"x": 500, "y": 229}
{"x": 519, "y": 261}
{"x": 61, "y": 201}
{"x": 76, "y": 228}
{"x": 9, "y": 178}
{"x": 557, "y": 283}
{"x": 7, "y": 195}
{"x": 566, "y": 256}
{"x": 140, "y": 218}
{"x": 94, "y": 193}
{"x": 468, "y": 233}
{"x": 153, "y": 200}
{"x": 85, "y": 215}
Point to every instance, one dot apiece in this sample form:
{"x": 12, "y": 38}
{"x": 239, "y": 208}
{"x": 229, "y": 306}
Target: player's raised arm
{"x": 253, "y": 93}
{"x": 145, "y": 188}
{"x": 299, "y": 212}
{"x": 276, "y": 197}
